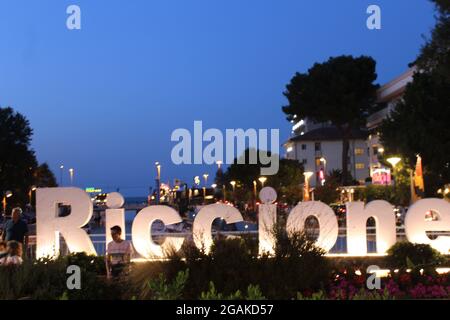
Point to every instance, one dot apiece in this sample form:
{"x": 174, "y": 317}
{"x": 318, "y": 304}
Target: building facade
{"x": 319, "y": 146}
{"x": 320, "y": 152}
{"x": 389, "y": 95}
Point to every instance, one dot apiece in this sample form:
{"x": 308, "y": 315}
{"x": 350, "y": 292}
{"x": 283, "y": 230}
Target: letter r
{"x": 49, "y": 226}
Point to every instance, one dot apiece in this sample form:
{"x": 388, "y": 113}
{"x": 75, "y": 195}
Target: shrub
{"x": 233, "y": 265}
{"x": 407, "y": 255}
{"x": 253, "y": 294}
{"x": 160, "y": 289}
{"x": 46, "y": 279}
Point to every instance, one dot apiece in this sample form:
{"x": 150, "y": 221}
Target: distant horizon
{"x": 105, "y": 99}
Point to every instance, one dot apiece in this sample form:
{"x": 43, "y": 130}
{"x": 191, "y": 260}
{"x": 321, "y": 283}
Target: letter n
{"x": 357, "y": 215}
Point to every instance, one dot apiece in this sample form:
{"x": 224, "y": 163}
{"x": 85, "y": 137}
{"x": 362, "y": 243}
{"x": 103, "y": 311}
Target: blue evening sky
{"x": 105, "y": 99}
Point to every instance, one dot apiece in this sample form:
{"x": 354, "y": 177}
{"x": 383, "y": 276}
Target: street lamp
{"x": 158, "y": 181}
{"x": 262, "y": 180}
{"x": 6, "y": 195}
{"x": 30, "y": 194}
{"x": 72, "y": 173}
{"x": 205, "y": 176}
{"x": 61, "y": 173}
{"x": 219, "y": 164}
{"x": 394, "y": 162}
{"x": 255, "y": 192}
{"x": 233, "y": 184}
{"x": 307, "y": 175}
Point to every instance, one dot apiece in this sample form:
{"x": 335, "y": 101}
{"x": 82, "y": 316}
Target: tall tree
{"x": 19, "y": 169}
{"x": 420, "y": 122}
{"x": 340, "y": 91}
{"x": 17, "y": 159}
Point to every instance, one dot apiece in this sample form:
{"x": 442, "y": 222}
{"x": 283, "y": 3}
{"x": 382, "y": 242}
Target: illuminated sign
{"x": 93, "y": 190}
{"x": 50, "y": 227}
{"x": 381, "y": 177}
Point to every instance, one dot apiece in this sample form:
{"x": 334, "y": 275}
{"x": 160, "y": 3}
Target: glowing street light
{"x": 219, "y": 164}
{"x": 61, "y": 173}
{"x": 262, "y": 180}
{"x": 158, "y": 170}
{"x": 394, "y": 161}
{"x": 30, "y": 194}
{"x": 72, "y": 173}
{"x": 6, "y": 195}
{"x": 205, "y": 177}
{"x": 158, "y": 182}
{"x": 233, "y": 184}
{"x": 255, "y": 193}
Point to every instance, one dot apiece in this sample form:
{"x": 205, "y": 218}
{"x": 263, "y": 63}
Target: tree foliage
{"x": 420, "y": 122}
{"x": 17, "y": 161}
{"x": 340, "y": 91}
{"x": 19, "y": 169}
{"x": 287, "y": 182}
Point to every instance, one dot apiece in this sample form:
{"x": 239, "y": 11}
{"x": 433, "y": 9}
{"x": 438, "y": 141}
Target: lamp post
{"x": 72, "y": 173}
{"x": 219, "y": 164}
{"x": 158, "y": 182}
{"x": 233, "y": 184}
{"x": 307, "y": 175}
{"x": 6, "y": 195}
{"x": 205, "y": 177}
{"x": 262, "y": 180}
{"x": 30, "y": 195}
{"x": 394, "y": 162}
{"x": 255, "y": 193}
{"x": 61, "y": 173}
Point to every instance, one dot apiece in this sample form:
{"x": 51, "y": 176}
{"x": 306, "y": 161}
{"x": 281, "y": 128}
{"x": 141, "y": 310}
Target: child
{"x": 14, "y": 254}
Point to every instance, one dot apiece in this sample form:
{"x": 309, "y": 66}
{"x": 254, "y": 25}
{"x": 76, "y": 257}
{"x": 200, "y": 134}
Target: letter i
{"x": 267, "y": 221}
{"x": 115, "y": 214}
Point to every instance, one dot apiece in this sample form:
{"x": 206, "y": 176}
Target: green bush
{"x": 253, "y": 294}
{"x": 233, "y": 265}
{"x": 407, "y": 255}
{"x": 160, "y": 289}
{"x": 46, "y": 279}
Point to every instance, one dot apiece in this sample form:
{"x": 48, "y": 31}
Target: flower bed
{"x": 347, "y": 285}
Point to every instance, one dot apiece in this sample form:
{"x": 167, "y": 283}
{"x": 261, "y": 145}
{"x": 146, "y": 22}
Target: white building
{"x": 319, "y": 146}
{"x": 320, "y": 152}
{"x": 389, "y": 94}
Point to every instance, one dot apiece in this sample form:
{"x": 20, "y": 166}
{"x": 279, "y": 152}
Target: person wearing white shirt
{"x": 118, "y": 255}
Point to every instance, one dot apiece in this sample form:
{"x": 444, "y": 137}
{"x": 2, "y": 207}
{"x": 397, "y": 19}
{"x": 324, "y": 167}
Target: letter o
{"x": 328, "y": 223}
